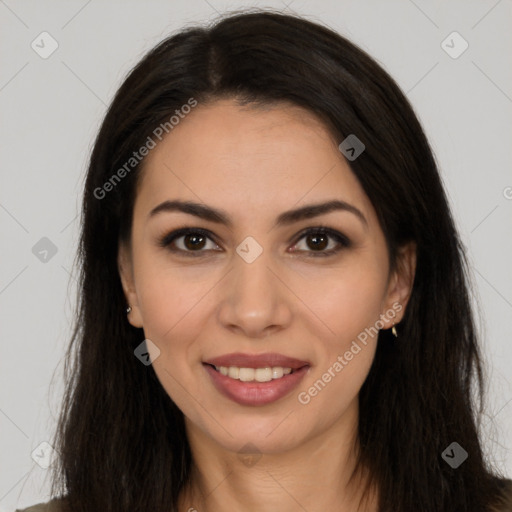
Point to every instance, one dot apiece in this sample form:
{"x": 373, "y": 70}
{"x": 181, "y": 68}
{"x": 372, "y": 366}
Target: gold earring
{"x": 128, "y": 309}
{"x": 393, "y": 330}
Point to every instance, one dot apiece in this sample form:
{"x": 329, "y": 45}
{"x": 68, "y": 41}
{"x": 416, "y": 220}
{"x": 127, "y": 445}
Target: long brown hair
{"x": 122, "y": 441}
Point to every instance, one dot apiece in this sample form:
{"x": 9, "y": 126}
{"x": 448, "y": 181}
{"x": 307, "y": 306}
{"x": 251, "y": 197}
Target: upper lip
{"x": 268, "y": 359}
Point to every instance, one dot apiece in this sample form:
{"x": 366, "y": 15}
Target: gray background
{"x": 50, "y": 112}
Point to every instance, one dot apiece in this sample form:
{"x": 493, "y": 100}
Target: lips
{"x": 256, "y": 393}
{"x": 252, "y": 392}
{"x": 268, "y": 359}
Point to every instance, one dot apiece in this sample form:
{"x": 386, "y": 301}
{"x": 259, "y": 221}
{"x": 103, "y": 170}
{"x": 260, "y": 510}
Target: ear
{"x": 400, "y": 285}
{"x": 125, "y": 267}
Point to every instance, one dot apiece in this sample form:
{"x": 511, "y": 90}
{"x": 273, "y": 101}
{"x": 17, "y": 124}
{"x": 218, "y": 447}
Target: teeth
{"x": 234, "y": 372}
{"x": 263, "y": 374}
{"x": 254, "y": 374}
{"x": 277, "y": 372}
{"x": 246, "y": 374}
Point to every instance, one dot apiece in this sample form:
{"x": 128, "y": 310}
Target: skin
{"x": 255, "y": 163}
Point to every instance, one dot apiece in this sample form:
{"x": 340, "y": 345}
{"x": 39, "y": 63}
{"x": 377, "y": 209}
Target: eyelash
{"x": 342, "y": 240}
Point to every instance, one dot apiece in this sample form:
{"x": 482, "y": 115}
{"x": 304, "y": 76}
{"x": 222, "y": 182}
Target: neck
{"x": 320, "y": 474}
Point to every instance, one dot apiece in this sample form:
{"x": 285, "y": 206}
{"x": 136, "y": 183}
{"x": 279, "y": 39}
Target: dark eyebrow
{"x": 289, "y": 217}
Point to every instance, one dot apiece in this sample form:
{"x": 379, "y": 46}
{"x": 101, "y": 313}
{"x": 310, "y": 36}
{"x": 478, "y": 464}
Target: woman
{"x": 274, "y": 309}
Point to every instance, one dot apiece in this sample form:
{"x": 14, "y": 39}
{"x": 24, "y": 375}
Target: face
{"x": 303, "y": 291}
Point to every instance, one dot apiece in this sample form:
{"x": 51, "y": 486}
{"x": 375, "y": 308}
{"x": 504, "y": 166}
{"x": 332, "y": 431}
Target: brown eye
{"x": 316, "y": 240}
{"x": 194, "y": 241}
{"x": 188, "y": 241}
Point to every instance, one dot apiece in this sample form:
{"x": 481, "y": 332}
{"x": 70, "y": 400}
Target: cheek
{"x": 171, "y": 308}
{"x": 349, "y": 307}
{"x": 169, "y": 296}
{"x": 350, "y": 300}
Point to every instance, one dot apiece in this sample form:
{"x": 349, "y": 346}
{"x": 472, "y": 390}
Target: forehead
{"x": 264, "y": 158}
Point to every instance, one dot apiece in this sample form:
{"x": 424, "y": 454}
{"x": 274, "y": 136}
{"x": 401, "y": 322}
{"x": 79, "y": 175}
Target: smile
{"x": 254, "y": 374}
{"x": 255, "y": 386}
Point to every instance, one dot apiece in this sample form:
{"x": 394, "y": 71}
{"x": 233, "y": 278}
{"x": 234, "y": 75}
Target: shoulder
{"x": 49, "y": 506}
{"x": 505, "y": 502}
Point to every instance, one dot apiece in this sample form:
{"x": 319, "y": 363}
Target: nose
{"x": 255, "y": 301}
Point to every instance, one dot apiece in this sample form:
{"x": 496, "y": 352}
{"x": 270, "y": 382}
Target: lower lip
{"x": 256, "y": 393}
